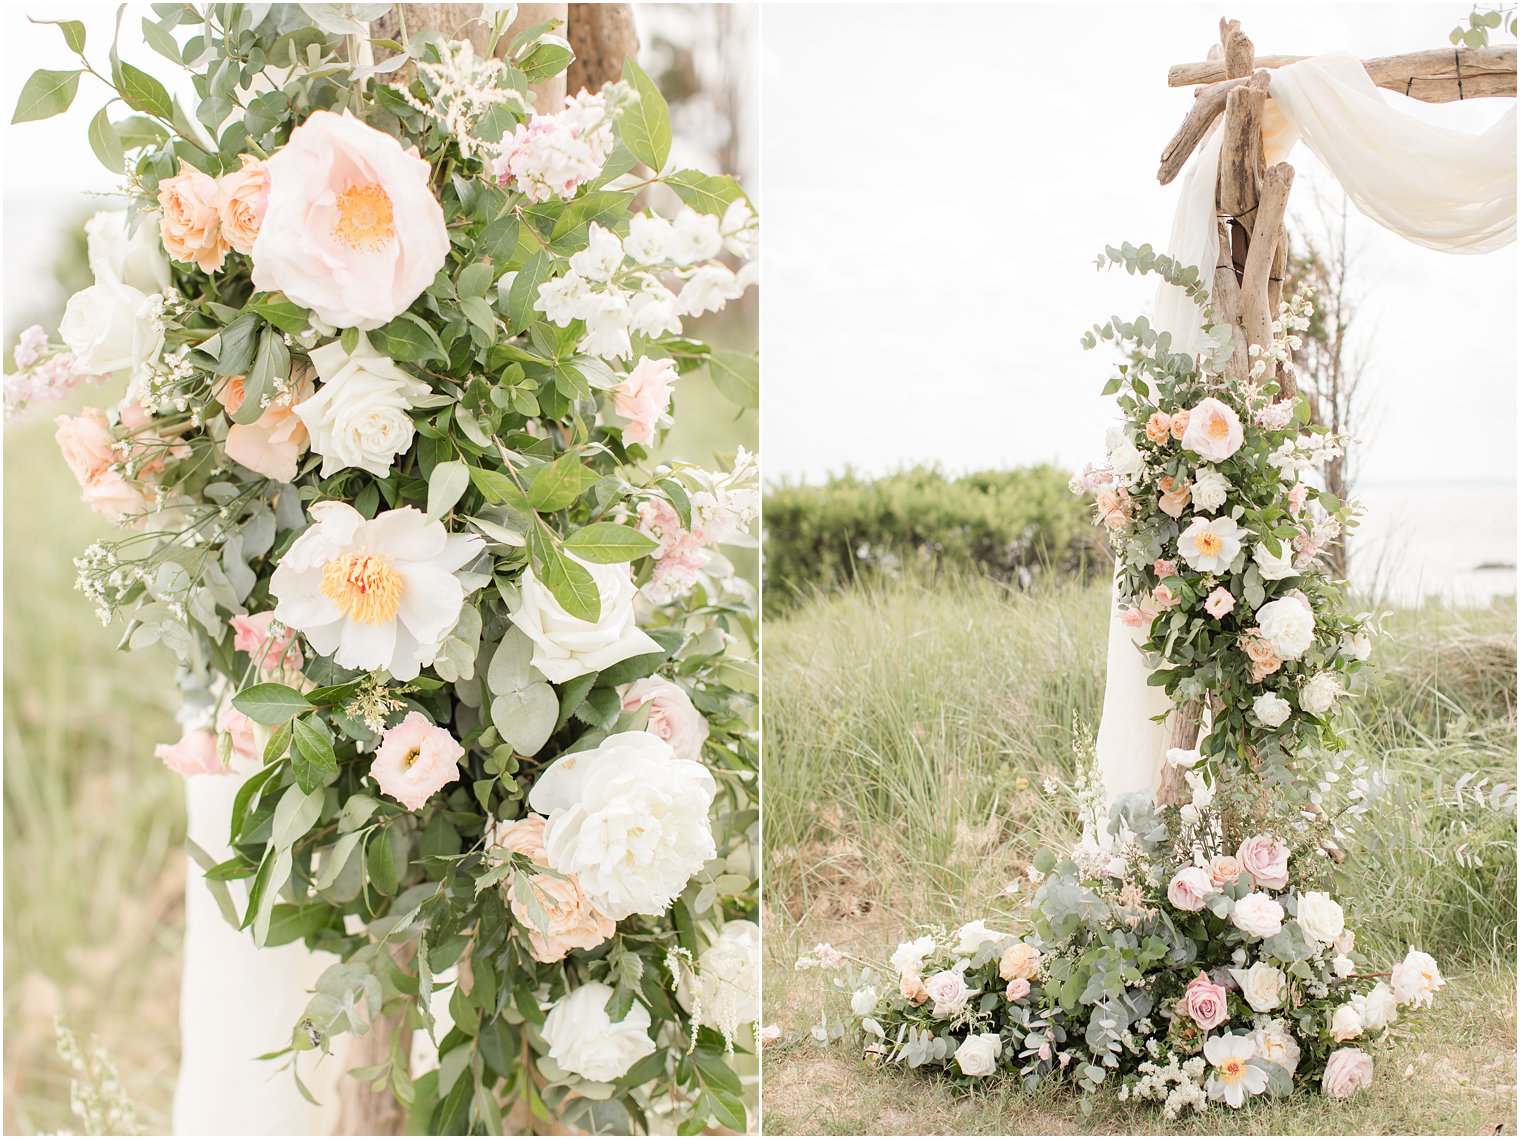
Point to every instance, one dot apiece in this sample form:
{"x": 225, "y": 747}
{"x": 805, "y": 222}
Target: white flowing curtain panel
{"x": 1445, "y": 189}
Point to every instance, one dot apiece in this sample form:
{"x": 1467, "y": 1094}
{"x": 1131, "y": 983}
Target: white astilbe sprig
{"x": 461, "y": 89}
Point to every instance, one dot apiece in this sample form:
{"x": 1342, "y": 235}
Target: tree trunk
{"x": 601, "y": 36}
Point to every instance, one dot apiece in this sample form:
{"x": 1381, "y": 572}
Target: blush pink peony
{"x": 416, "y": 759}
{"x": 351, "y": 230}
{"x": 1213, "y": 430}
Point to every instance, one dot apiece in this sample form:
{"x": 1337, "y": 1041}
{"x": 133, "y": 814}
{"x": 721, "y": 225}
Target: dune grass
{"x": 909, "y": 730}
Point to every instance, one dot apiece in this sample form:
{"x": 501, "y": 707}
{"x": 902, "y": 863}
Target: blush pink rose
{"x": 1265, "y": 859}
{"x": 949, "y": 992}
{"x": 1224, "y": 870}
{"x": 911, "y": 986}
{"x": 1205, "y": 1002}
{"x": 1188, "y": 888}
{"x": 191, "y": 225}
{"x": 1137, "y": 616}
{"x": 672, "y": 715}
{"x": 1219, "y": 603}
{"x": 193, "y": 754}
{"x": 523, "y": 836}
{"x": 1164, "y": 598}
{"x": 643, "y": 398}
{"x": 251, "y": 635}
{"x": 415, "y": 760}
{"x": 272, "y": 445}
{"x": 1213, "y": 431}
{"x": 1347, "y": 1072}
{"x": 1158, "y": 428}
{"x": 1018, "y": 989}
{"x": 87, "y": 445}
{"x": 244, "y": 197}
{"x": 351, "y": 230}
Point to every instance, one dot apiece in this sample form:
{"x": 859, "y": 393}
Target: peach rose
{"x": 1213, "y": 431}
{"x": 1219, "y": 603}
{"x": 1205, "y": 1002}
{"x": 1018, "y": 989}
{"x": 193, "y": 754}
{"x": 272, "y": 445}
{"x": 191, "y": 225}
{"x": 672, "y": 715}
{"x": 1020, "y": 961}
{"x": 244, "y": 196}
{"x": 523, "y": 836}
{"x": 1179, "y": 424}
{"x": 1158, "y": 428}
{"x": 1113, "y": 508}
{"x": 415, "y": 760}
{"x": 351, "y": 230}
{"x": 572, "y": 922}
{"x": 1264, "y": 662}
{"x": 1265, "y": 859}
{"x": 1224, "y": 869}
{"x": 911, "y": 986}
{"x": 1175, "y": 496}
{"x": 251, "y": 635}
{"x": 1187, "y": 890}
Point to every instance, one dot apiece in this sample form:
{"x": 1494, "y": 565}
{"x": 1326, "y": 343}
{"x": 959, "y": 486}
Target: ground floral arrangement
{"x": 394, "y": 350}
{"x": 1188, "y": 951}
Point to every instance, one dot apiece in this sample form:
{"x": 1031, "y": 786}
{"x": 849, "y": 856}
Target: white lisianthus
{"x": 694, "y": 237}
{"x": 728, "y": 978}
{"x": 909, "y": 956}
{"x": 1123, "y": 456}
{"x": 601, "y": 257}
{"x": 1233, "y": 1078}
{"x": 1320, "y": 917}
{"x": 584, "y": 1040}
{"x": 361, "y": 415}
{"x": 1319, "y": 693}
{"x": 629, "y": 820}
{"x": 111, "y": 327}
{"x": 136, "y": 259}
{"x": 648, "y": 239}
{"x": 1274, "y": 567}
{"x": 1261, "y": 985}
{"x": 1357, "y": 645}
{"x": 1209, "y": 545}
{"x": 973, "y": 935}
{"x": 565, "y": 646}
{"x": 373, "y": 594}
{"x": 1272, "y": 710}
{"x": 709, "y": 289}
{"x": 1417, "y": 979}
{"x": 1210, "y": 489}
{"x": 1346, "y": 1023}
{"x": 863, "y": 1001}
{"x": 1258, "y": 915}
{"x": 978, "y": 1054}
{"x": 1276, "y": 1044}
{"x": 1288, "y": 626}
{"x": 1377, "y": 1008}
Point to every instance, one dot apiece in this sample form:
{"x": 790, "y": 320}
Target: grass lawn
{"x": 910, "y": 729}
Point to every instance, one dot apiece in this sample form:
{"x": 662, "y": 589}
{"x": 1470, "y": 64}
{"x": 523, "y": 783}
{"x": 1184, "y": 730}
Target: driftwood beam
{"x": 1255, "y": 309}
{"x": 1431, "y": 76}
{"x": 1240, "y": 161}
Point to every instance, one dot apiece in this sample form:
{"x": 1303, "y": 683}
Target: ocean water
{"x": 1452, "y": 541}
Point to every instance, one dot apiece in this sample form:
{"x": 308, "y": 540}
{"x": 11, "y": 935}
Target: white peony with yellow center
{"x": 373, "y": 593}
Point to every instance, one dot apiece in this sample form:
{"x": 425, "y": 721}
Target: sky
{"x": 938, "y": 182}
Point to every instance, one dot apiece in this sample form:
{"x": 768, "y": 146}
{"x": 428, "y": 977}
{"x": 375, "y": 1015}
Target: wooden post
{"x": 602, "y": 36}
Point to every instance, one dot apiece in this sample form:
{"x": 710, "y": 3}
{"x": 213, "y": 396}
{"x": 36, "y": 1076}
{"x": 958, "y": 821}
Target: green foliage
{"x": 1009, "y": 525}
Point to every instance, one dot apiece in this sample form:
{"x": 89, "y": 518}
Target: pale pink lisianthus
{"x": 1206, "y": 1003}
{"x": 1187, "y": 890}
{"x": 244, "y": 197}
{"x": 415, "y": 760}
{"x": 251, "y": 635}
{"x": 672, "y": 715}
{"x": 351, "y": 229}
{"x": 1265, "y": 859}
{"x": 643, "y": 399}
{"x": 1219, "y": 603}
{"x": 239, "y": 727}
{"x": 272, "y": 445}
{"x": 1213, "y": 430}
{"x": 191, "y": 225}
{"x": 1346, "y": 1072}
{"x": 194, "y": 753}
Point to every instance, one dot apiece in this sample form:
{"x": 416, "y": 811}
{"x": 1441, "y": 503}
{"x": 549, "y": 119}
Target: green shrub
{"x": 1005, "y": 525}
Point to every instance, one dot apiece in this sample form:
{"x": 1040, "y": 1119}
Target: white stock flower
{"x": 1274, "y": 567}
{"x": 1320, "y": 917}
{"x": 111, "y": 327}
{"x": 648, "y": 239}
{"x": 728, "y": 978}
{"x": 1123, "y": 456}
{"x": 978, "y": 1054}
{"x": 1417, "y": 979}
{"x": 1288, "y": 626}
{"x": 1261, "y": 985}
{"x": 378, "y": 593}
{"x": 361, "y": 415}
{"x": 709, "y": 289}
{"x": 601, "y": 257}
{"x": 1319, "y": 693}
{"x": 565, "y": 646}
{"x": 584, "y": 1040}
{"x": 694, "y": 237}
{"x": 136, "y": 259}
{"x": 1210, "y": 489}
{"x": 1272, "y": 710}
{"x": 629, "y": 819}
{"x": 1209, "y": 545}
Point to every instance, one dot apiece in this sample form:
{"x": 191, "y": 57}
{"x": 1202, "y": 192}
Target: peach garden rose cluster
{"x": 389, "y": 348}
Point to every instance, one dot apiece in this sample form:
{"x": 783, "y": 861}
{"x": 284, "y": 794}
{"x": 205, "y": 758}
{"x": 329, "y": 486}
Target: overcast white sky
{"x": 938, "y": 180}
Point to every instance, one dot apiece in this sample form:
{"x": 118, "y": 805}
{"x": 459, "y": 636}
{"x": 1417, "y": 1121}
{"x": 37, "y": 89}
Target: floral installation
{"x": 1189, "y": 951}
{"x": 392, "y": 349}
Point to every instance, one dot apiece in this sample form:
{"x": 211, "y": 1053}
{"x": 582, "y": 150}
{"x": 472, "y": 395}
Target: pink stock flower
{"x": 1296, "y": 498}
{"x": 251, "y": 635}
{"x": 415, "y": 760}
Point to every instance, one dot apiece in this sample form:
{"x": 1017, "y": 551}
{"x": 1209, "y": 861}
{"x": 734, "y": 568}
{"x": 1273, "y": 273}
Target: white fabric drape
{"x": 1445, "y": 189}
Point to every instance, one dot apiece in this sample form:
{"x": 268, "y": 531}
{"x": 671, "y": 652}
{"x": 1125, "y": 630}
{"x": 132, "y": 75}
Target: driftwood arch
{"x": 1251, "y": 200}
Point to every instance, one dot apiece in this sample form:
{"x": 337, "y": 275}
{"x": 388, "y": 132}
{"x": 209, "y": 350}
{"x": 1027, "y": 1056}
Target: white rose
{"x": 565, "y": 646}
{"x": 361, "y": 415}
{"x": 110, "y": 327}
{"x": 949, "y": 992}
{"x": 1123, "y": 456}
{"x": 1261, "y": 986}
{"x": 1272, "y": 710}
{"x": 1276, "y": 1045}
{"x": 135, "y": 258}
{"x": 1258, "y": 915}
{"x": 1274, "y": 567}
{"x": 1288, "y": 625}
{"x": 629, "y": 819}
{"x": 978, "y": 1054}
{"x": 1357, "y": 645}
{"x": 583, "y": 1039}
{"x": 973, "y": 935}
{"x": 1210, "y": 489}
{"x": 1378, "y": 1008}
{"x": 863, "y": 1001}
{"x": 909, "y": 956}
{"x": 728, "y": 978}
{"x": 1320, "y": 917}
{"x": 1345, "y": 1024}
{"x": 1319, "y": 693}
